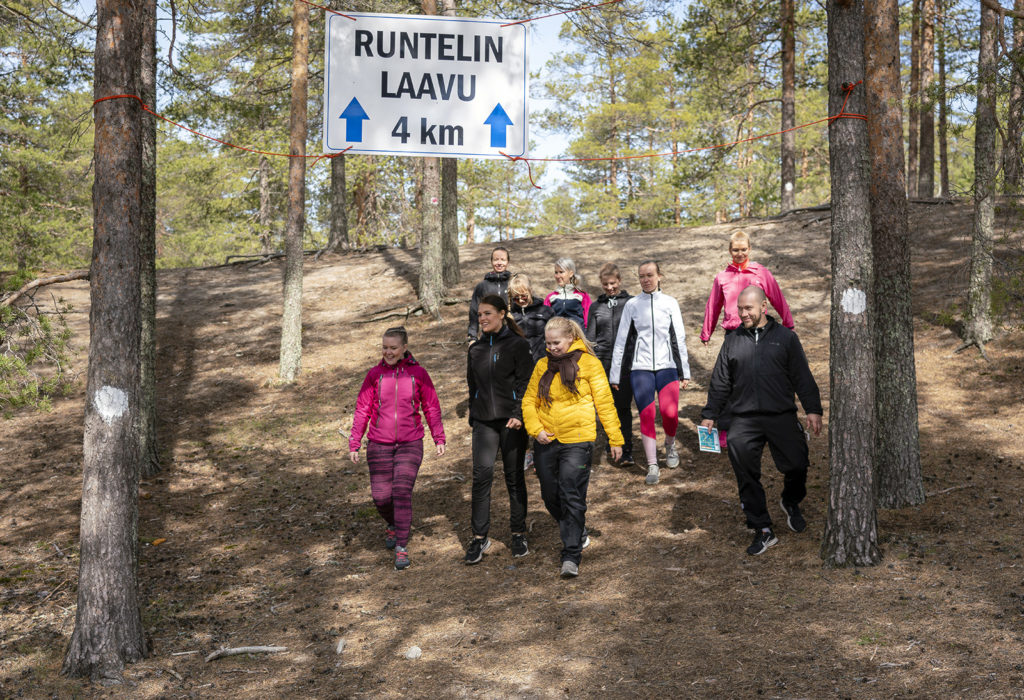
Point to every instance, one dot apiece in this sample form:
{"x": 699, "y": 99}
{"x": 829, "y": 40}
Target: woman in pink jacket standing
{"x": 390, "y": 401}
{"x": 725, "y": 290}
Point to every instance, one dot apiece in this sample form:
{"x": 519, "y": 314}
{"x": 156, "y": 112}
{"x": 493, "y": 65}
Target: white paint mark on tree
{"x": 111, "y": 403}
{"x": 854, "y": 301}
{"x": 789, "y": 187}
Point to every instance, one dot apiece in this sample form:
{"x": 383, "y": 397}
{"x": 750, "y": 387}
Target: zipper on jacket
{"x": 396, "y": 405}
{"x": 654, "y": 361}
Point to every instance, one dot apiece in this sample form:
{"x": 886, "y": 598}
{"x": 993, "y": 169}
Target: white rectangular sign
{"x": 425, "y": 85}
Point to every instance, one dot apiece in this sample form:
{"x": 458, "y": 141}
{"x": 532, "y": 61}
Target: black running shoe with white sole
{"x": 476, "y": 549}
{"x": 519, "y": 546}
{"x": 794, "y": 518}
{"x": 762, "y": 541}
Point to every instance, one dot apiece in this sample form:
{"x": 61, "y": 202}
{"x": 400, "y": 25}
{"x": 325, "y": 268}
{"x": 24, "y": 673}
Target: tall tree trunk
{"x": 338, "y": 237}
{"x": 1013, "y": 149}
{"x": 788, "y": 26}
{"x": 431, "y": 283}
{"x": 914, "y": 99}
{"x": 450, "y": 221}
{"x": 291, "y": 320}
{"x": 851, "y": 530}
{"x": 108, "y": 623}
{"x": 978, "y": 324}
{"x": 449, "y": 203}
{"x": 471, "y": 225}
{"x": 150, "y": 463}
{"x": 265, "y": 234}
{"x": 897, "y": 453}
{"x": 940, "y": 33}
{"x": 926, "y": 168}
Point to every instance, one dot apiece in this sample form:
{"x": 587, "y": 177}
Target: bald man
{"x": 759, "y": 369}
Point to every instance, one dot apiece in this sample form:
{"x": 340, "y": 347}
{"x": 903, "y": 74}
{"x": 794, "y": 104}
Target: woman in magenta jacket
{"x": 725, "y": 290}
{"x": 390, "y": 401}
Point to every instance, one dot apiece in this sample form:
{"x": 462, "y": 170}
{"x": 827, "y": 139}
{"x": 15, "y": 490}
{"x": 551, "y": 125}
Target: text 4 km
{"x": 433, "y": 134}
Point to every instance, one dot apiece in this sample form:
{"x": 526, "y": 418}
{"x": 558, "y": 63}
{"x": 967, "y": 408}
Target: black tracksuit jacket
{"x": 493, "y": 283}
{"x": 532, "y": 319}
{"x": 603, "y": 322}
{"x": 758, "y": 370}
{"x": 498, "y": 369}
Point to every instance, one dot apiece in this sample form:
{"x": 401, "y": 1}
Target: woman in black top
{"x": 498, "y": 371}
{"x": 530, "y": 312}
{"x": 494, "y": 282}
{"x": 602, "y": 323}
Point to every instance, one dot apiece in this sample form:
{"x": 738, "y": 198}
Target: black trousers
{"x": 488, "y": 438}
{"x": 788, "y": 444}
{"x": 623, "y": 398}
{"x": 564, "y": 474}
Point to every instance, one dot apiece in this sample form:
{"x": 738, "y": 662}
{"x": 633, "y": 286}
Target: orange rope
{"x": 843, "y": 114}
{"x": 145, "y": 108}
{"x": 556, "y": 14}
{"x": 327, "y": 9}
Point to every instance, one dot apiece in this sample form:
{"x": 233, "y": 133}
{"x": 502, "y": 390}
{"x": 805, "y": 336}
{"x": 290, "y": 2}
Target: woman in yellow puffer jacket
{"x": 567, "y": 387}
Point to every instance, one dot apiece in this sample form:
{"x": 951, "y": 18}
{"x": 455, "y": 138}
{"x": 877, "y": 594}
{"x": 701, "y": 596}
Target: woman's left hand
{"x": 616, "y": 452}
{"x": 440, "y": 449}
{"x": 683, "y": 383}
{"x": 514, "y": 423}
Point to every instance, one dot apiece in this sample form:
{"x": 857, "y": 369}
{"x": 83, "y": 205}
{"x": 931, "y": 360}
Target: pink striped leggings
{"x": 393, "y": 470}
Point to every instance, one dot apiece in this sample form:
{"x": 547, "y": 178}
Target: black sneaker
{"x": 626, "y": 460}
{"x": 476, "y": 549}
{"x": 762, "y": 541}
{"x": 519, "y": 547}
{"x": 401, "y": 559}
{"x": 390, "y": 540}
{"x": 794, "y": 518}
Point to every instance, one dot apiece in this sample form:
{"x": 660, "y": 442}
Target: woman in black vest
{"x": 494, "y": 282}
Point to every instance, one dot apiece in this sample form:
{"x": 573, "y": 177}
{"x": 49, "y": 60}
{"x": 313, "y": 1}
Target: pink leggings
{"x": 393, "y": 470}
{"x": 663, "y": 385}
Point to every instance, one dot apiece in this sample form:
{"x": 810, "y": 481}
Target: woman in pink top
{"x": 737, "y": 276}
{"x": 390, "y": 401}
{"x": 725, "y": 290}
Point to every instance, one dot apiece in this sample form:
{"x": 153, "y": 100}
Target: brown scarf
{"x": 566, "y": 367}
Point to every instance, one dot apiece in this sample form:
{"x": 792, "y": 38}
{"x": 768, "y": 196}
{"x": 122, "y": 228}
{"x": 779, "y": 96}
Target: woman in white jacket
{"x": 650, "y": 345}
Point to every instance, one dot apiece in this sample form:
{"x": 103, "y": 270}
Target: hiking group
{"x": 549, "y": 369}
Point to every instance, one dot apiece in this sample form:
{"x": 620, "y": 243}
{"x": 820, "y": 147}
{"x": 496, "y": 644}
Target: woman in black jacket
{"x": 494, "y": 282}
{"x": 498, "y": 371}
{"x": 530, "y": 313}
{"x": 602, "y": 323}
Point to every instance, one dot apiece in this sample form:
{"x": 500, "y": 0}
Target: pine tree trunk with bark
{"x": 914, "y": 99}
{"x": 978, "y": 324}
{"x": 450, "y": 222}
{"x": 338, "y": 237}
{"x": 449, "y": 203}
{"x": 108, "y": 623}
{"x": 926, "y": 167}
{"x": 851, "y": 530}
{"x": 788, "y": 167}
{"x": 1013, "y": 149}
{"x": 150, "y": 463}
{"x": 943, "y": 128}
{"x": 291, "y": 321}
{"x": 897, "y": 451}
{"x": 431, "y": 290}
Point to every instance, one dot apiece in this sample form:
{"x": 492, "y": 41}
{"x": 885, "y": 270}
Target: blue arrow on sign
{"x": 354, "y": 115}
{"x": 499, "y": 123}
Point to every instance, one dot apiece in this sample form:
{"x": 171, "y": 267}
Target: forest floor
{"x": 268, "y": 536}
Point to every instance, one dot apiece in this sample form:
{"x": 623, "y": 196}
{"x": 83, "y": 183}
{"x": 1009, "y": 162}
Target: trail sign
{"x": 425, "y": 85}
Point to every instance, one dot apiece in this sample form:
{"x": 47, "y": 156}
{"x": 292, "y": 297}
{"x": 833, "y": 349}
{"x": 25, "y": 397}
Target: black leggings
{"x": 488, "y": 438}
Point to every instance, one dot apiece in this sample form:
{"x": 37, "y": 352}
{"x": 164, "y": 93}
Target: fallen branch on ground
{"x": 951, "y": 488}
{"x": 414, "y": 310}
{"x": 42, "y": 282}
{"x": 236, "y": 651}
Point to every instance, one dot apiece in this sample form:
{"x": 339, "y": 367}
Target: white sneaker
{"x": 652, "y": 475}
{"x": 671, "y": 455}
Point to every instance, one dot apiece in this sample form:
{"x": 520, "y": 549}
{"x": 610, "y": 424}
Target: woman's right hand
{"x": 354, "y": 456}
{"x": 544, "y": 437}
